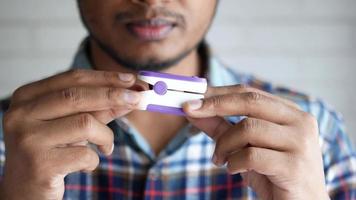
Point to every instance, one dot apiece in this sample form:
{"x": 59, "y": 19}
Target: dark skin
{"x": 65, "y": 112}
{"x": 185, "y": 36}
{"x": 140, "y": 119}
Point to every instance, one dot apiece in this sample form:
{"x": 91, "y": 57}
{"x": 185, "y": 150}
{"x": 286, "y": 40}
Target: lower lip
{"x": 150, "y": 33}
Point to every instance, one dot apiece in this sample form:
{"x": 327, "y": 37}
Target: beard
{"x": 152, "y": 64}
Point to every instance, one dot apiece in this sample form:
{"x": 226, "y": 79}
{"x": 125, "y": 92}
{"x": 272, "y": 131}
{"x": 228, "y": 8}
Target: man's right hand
{"x": 50, "y": 123}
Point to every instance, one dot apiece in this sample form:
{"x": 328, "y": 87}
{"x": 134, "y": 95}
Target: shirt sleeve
{"x": 338, "y": 154}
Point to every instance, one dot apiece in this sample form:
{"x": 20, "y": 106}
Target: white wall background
{"x": 309, "y": 45}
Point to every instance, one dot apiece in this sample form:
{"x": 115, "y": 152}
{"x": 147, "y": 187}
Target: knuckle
{"x": 242, "y": 87}
{"x": 248, "y": 125}
{"x": 78, "y": 75}
{"x": 233, "y": 98}
{"x": 308, "y": 124}
{"x": 216, "y": 101}
{"x": 85, "y": 122}
{"x": 9, "y": 119}
{"x": 13, "y": 119}
{"x": 19, "y": 92}
{"x": 310, "y": 119}
{"x": 111, "y": 93}
{"x": 252, "y": 156}
{"x": 25, "y": 142}
{"x": 114, "y": 113}
{"x": 71, "y": 95}
{"x": 19, "y": 136}
{"x": 108, "y": 76}
{"x": 87, "y": 156}
{"x": 253, "y": 97}
{"x": 90, "y": 158}
{"x": 293, "y": 104}
{"x": 36, "y": 164}
{"x": 305, "y": 142}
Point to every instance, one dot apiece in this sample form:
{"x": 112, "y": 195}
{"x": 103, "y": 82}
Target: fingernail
{"x": 215, "y": 159}
{"x": 132, "y": 97}
{"x": 126, "y": 77}
{"x": 195, "y": 104}
{"x": 112, "y": 148}
{"x": 218, "y": 161}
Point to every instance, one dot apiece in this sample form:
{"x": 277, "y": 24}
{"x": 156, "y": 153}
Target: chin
{"x": 147, "y": 54}
{"x": 152, "y": 60}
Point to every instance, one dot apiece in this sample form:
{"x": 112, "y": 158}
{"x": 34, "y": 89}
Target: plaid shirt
{"x": 183, "y": 170}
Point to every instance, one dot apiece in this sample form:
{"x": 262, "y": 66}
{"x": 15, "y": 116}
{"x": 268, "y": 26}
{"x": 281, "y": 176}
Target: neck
{"x": 157, "y": 129}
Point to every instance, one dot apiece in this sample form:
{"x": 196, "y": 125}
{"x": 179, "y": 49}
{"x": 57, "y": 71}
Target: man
{"x": 287, "y": 146}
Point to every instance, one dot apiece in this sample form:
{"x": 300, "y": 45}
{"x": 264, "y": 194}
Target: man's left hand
{"x": 275, "y": 148}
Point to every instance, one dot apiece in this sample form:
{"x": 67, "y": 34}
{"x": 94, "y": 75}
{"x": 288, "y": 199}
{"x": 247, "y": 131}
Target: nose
{"x": 151, "y": 2}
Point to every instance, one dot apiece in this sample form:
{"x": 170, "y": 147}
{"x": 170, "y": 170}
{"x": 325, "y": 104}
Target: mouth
{"x": 151, "y": 29}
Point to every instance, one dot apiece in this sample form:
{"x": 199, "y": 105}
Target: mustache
{"x": 150, "y": 13}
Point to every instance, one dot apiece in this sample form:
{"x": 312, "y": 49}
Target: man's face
{"x": 147, "y": 34}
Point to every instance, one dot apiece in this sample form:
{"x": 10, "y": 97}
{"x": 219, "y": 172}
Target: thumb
{"x": 259, "y": 183}
{"x": 106, "y": 116}
{"x": 212, "y": 126}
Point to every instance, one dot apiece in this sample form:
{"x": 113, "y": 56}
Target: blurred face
{"x": 147, "y": 34}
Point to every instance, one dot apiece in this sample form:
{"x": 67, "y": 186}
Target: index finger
{"x": 214, "y": 127}
{"x": 246, "y": 104}
{"x": 239, "y": 88}
{"x": 73, "y": 78}
{"x": 80, "y": 100}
